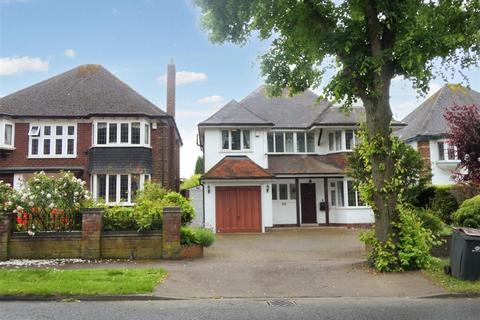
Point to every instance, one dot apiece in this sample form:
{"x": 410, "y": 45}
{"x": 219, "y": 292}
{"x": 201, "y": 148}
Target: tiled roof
{"x": 84, "y": 91}
{"x": 236, "y": 167}
{"x": 307, "y": 164}
{"x": 427, "y": 119}
{"x": 234, "y": 113}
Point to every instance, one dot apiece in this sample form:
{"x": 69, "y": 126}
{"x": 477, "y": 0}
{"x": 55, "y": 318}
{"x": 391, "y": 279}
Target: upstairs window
{"x": 8, "y": 138}
{"x": 291, "y": 142}
{"x": 446, "y": 152}
{"x": 6, "y": 134}
{"x": 52, "y": 140}
{"x": 235, "y": 139}
{"x": 341, "y": 140}
{"x": 122, "y": 133}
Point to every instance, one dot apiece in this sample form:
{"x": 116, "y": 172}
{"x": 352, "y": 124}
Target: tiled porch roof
{"x": 236, "y": 167}
{"x": 307, "y": 164}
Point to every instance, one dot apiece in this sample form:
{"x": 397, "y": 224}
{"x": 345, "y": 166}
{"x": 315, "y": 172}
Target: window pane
{"x": 310, "y": 142}
{"x": 451, "y": 153}
{"x": 283, "y": 191}
{"x": 338, "y": 140}
{"x": 147, "y": 134}
{"x": 46, "y": 146}
{"x": 225, "y": 144}
{"x": 331, "y": 142}
{"x": 124, "y": 132}
{"x": 300, "y": 141}
{"x": 351, "y": 194}
{"x": 348, "y": 139}
{"x": 136, "y": 133}
{"x": 235, "y": 139}
{"x": 246, "y": 139}
{"x": 333, "y": 197}
{"x": 71, "y": 130}
{"x": 102, "y": 133}
{"x": 70, "y": 146}
{"x": 8, "y": 134}
{"x": 58, "y": 146}
{"x": 341, "y": 201}
{"x": 124, "y": 188}
{"x": 441, "y": 151}
{"x": 101, "y": 186}
{"x": 112, "y": 188}
{"x": 34, "y": 146}
{"x": 34, "y": 131}
{"x": 146, "y": 177}
{"x": 289, "y": 141}
{"x": 112, "y": 133}
{"x": 47, "y": 130}
{"x": 135, "y": 184}
{"x": 58, "y": 130}
{"x": 270, "y": 142}
{"x": 274, "y": 192}
{"x": 279, "y": 147}
{"x": 293, "y": 191}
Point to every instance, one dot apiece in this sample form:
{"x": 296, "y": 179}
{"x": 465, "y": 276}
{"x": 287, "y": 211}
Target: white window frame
{"x": 129, "y": 202}
{"x": 343, "y": 140}
{"x": 3, "y": 130}
{"x": 289, "y": 193}
{"x": 40, "y": 136}
{"x": 345, "y": 194}
{"x": 295, "y": 146}
{"x": 242, "y": 148}
{"x": 143, "y": 127}
{"x": 446, "y": 147}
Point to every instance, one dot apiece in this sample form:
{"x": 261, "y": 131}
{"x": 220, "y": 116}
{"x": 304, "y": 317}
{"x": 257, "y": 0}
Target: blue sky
{"x": 135, "y": 39}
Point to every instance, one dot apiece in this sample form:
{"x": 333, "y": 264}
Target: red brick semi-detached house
{"x": 89, "y": 122}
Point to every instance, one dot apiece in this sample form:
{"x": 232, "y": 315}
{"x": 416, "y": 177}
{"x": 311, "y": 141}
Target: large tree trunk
{"x": 379, "y": 117}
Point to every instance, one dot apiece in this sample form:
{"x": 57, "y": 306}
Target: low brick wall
{"x": 93, "y": 243}
{"x": 45, "y": 245}
{"x": 131, "y": 245}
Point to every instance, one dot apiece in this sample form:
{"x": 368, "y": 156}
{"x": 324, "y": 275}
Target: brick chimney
{"x": 171, "y": 88}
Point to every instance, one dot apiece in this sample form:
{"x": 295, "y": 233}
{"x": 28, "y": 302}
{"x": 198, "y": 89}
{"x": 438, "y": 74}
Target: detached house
{"x": 278, "y": 162}
{"x": 426, "y": 130}
{"x": 89, "y": 122}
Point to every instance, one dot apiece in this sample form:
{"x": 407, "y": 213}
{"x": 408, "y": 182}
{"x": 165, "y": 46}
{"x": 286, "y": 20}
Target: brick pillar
{"x": 423, "y": 147}
{"x": 172, "y": 221}
{"x": 5, "y": 232}
{"x": 91, "y": 232}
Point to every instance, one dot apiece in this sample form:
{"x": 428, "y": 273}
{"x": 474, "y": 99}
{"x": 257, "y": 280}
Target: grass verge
{"x": 451, "y": 284}
{"x": 48, "y": 282}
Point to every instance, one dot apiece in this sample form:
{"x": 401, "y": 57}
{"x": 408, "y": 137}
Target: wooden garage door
{"x": 238, "y": 209}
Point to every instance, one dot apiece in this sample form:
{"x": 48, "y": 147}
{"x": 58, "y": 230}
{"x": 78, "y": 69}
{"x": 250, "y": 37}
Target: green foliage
{"x": 431, "y": 221}
{"x": 201, "y": 236}
{"x": 409, "y": 251}
{"x": 175, "y": 199}
{"x": 119, "y": 219}
{"x": 425, "y": 197}
{"x": 5, "y": 197}
{"x": 444, "y": 204}
{"x": 468, "y": 215}
{"x": 193, "y": 181}
{"x": 199, "y": 166}
{"x": 408, "y": 178}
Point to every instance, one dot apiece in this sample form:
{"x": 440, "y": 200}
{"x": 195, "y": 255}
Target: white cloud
{"x": 184, "y": 77}
{"x": 12, "y": 1}
{"x": 70, "y": 53}
{"x": 17, "y": 65}
{"x": 211, "y": 100}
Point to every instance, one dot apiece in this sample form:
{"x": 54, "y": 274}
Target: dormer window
{"x": 122, "y": 133}
{"x": 235, "y": 139}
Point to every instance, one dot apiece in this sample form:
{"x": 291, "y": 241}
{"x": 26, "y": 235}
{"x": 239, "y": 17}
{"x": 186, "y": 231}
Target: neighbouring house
{"x": 92, "y": 124}
{"x": 279, "y": 162}
{"x": 426, "y": 130}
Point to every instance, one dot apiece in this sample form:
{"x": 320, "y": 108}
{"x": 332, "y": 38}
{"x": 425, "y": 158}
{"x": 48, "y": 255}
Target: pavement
{"x": 317, "y": 262}
{"x": 236, "y": 309}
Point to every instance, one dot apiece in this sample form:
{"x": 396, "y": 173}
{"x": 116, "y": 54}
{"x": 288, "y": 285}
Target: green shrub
{"x": 431, "y": 221}
{"x": 444, "y": 203}
{"x": 464, "y": 191}
{"x": 410, "y": 251}
{"x": 425, "y": 197}
{"x": 201, "y": 236}
{"x": 468, "y": 215}
{"x": 191, "y": 182}
{"x": 175, "y": 199}
{"x": 5, "y": 197}
{"x": 119, "y": 219}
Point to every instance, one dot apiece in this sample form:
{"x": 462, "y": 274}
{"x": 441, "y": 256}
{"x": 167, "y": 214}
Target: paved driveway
{"x": 320, "y": 262}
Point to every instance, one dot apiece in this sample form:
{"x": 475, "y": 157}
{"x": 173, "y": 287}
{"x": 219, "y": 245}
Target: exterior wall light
{"x": 268, "y": 187}
{"x": 208, "y": 189}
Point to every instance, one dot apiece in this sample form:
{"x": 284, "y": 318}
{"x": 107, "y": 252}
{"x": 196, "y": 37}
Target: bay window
{"x": 291, "y": 142}
{"x": 52, "y": 140}
{"x": 446, "y": 151}
{"x": 235, "y": 139}
{"x": 117, "y": 188}
{"x": 342, "y": 192}
{"x": 115, "y": 133}
{"x": 341, "y": 140}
